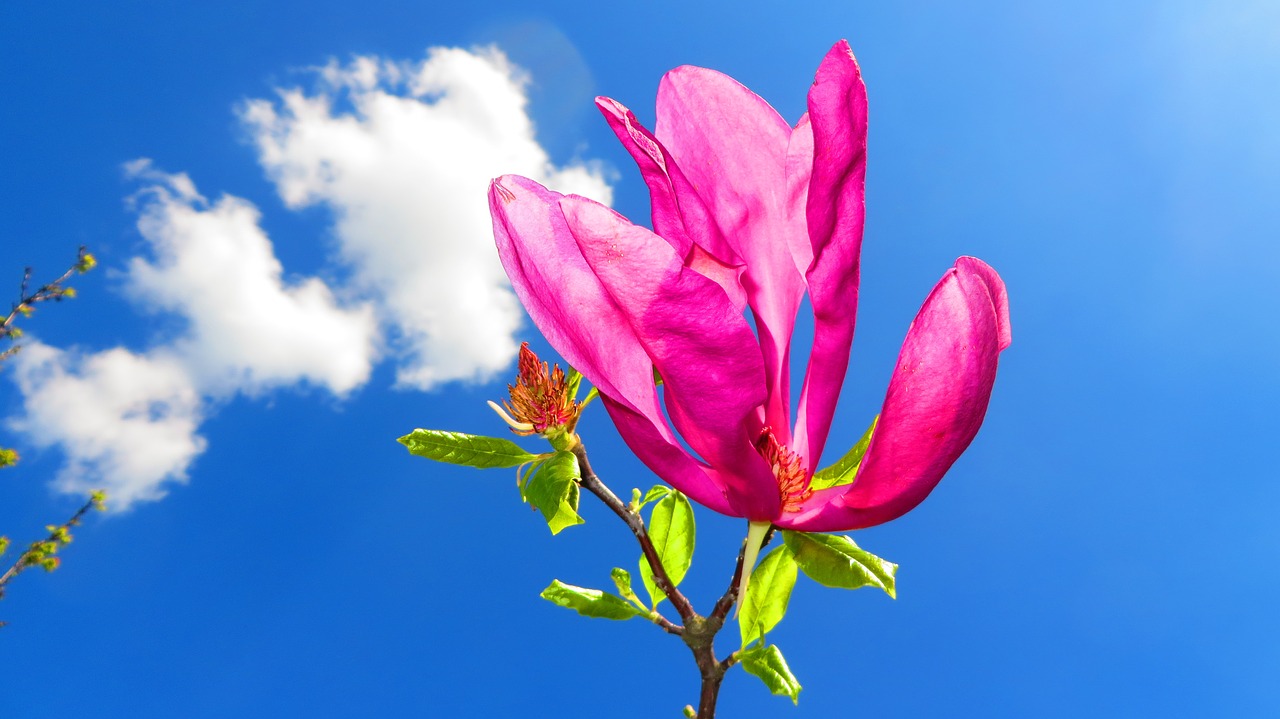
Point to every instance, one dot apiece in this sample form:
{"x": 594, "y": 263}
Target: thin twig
{"x": 667, "y": 625}
{"x": 24, "y": 560}
{"x": 698, "y": 632}
{"x": 592, "y": 484}
{"x": 49, "y": 291}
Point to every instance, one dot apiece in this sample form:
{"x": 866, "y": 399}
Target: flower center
{"x": 788, "y": 468}
{"x": 540, "y": 397}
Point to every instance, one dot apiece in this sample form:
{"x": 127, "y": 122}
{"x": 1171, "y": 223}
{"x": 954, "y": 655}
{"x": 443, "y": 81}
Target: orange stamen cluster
{"x": 788, "y": 468}
{"x": 540, "y": 397}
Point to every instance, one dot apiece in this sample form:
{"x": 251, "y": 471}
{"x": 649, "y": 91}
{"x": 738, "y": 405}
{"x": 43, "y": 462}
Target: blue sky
{"x": 1105, "y": 548}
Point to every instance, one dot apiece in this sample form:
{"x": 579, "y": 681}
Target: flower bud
{"x": 541, "y": 402}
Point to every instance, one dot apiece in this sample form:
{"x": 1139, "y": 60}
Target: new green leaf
{"x": 835, "y": 561}
{"x": 553, "y": 489}
{"x": 589, "y": 602}
{"x": 572, "y": 383}
{"x": 465, "y": 449}
{"x": 622, "y": 580}
{"x": 656, "y": 492}
{"x": 767, "y": 595}
{"x": 767, "y": 663}
{"x": 672, "y": 531}
{"x": 845, "y": 468}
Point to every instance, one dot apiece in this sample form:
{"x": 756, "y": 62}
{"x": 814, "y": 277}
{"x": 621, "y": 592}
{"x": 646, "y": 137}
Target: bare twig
{"x": 592, "y": 484}
{"x": 698, "y": 632}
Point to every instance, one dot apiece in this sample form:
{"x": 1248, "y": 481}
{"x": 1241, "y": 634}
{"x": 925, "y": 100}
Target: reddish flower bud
{"x": 541, "y": 402}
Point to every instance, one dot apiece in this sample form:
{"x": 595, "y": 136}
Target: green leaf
{"x": 658, "y": 491}
{"x": 553, "y": 489}
{"x": 572, "y": 382}
{"x": 591, "y": 394}
{"x": 589, "y": 602}
{"x": 767, "y": 663}
{"x": 834, "y": 561}
{"x": 523, "y": 473}
{"x": 845, "y": 468}
{"x": 466, "y": 449}
{"x": 767, "y": 595}
{"x": 622, "y": 580}
{"x": 673, "y": 533}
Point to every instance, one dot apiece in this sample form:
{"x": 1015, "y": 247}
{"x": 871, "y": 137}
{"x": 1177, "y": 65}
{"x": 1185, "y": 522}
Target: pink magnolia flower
{"x": 749, "y": 212}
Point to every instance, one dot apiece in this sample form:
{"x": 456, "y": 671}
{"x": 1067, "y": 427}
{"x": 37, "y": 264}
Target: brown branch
{"x": 698, "y": 632}
{"x": 592, "y": 484}
{"x": 667, "y": 625}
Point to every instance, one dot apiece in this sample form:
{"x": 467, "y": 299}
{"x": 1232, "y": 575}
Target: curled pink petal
{"x": 732, "y": 146}
{"x": 935, "y": 404}
{"x": 835, "y": 208}
{"x": 709, "y": 360}
{"x": 668, "y": 459}
{"x": 679, "y": 215}
{"x": 562, "y": 294}
{"x": 577, "y": 316}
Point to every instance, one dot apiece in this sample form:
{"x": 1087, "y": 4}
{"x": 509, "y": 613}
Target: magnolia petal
{"x": 667, "y": 459}
{"x": 679, "y": 215}
{"x": 730, "y": 144}
{"x": 577, "y": 316}
{"x": 732, "y": 147}
{"x": 999, "y": 295}
{"x": 836, "y": 212}
{"x": 709, "y": 360}
{"x": 935, "y": 404}
{"x": 799, "y": 173}
{"x": 561, "y": 292}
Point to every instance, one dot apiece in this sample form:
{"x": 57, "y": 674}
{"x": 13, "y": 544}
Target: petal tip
{"x": 972, "y": 266}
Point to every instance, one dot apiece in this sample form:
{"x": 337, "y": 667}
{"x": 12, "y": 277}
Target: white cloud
{"x": 402, "y": 154}
{"x": 125, "y": 422}
{"x": 404, "y": 171}
{"x": 247, "y": 330}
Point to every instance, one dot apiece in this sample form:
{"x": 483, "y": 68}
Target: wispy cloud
{"x": 247, "y": 330}
{"x": 401, "y": 154}
{"x": 124, "y": 421}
